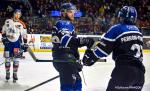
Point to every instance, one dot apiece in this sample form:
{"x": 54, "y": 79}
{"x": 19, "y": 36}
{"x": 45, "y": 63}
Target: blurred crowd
{"x": 97, "y": 15}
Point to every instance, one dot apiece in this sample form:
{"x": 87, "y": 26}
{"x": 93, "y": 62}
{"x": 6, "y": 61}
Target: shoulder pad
{"x": 8, "y": 21}
{"x": 64, "y": 25}
{"x": 113, "y": 32}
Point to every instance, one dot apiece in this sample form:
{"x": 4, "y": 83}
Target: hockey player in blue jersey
{"x": 13, "y": 32}
{"x": 65, "y": 49}
{"x": 125, "y": 41}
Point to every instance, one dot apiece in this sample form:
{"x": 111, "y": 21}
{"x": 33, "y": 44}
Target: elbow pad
{"x": 86, "y": 42}
{"x": 69, "y": 41}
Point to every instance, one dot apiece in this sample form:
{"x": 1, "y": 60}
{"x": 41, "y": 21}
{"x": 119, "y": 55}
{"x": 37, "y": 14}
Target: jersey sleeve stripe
{"x": 24, "y": 26}
{"x": 109, "y": 39}
{"x": 128, "y": 33}
{"x": 99, "y": 52}
{"x": 65, "y": 40}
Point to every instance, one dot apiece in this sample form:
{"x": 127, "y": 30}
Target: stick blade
{"x": 32, "y": 54}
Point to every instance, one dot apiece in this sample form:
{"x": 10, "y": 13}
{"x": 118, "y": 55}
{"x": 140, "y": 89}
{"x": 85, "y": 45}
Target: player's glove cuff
{"x": 89, "y": 58}
{"x": 4, "y": 40}
{"x": 24, "y": 47}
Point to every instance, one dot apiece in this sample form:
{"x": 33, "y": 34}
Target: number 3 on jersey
{"x": 137, "y": 47}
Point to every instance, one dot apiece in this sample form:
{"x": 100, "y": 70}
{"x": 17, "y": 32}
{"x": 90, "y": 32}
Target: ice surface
{"x": 31, "y": 73}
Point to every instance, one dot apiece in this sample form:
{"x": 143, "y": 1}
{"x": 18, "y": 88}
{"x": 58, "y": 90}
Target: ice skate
{"x": 22, "y": 57}
{"x": 15, "y": 78}
{"x": 7, "y": 76}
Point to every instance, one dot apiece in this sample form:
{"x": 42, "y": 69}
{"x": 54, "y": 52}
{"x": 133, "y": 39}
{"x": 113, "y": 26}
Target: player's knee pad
{"x": 7, "y": 64}
{"x": 6, "y": 54}
{"x": 15, "y": 64}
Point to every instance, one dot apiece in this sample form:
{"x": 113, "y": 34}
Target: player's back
{"x": 128, "y": 43}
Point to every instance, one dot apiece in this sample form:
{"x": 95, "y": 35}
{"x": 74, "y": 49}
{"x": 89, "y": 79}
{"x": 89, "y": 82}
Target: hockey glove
{"x": 86, "y": 42}
{"x": 89, "y": 58}
{"x": 79, "y": 65}
{"x": 24, "y": 47}
{"x": 4, "y": 40}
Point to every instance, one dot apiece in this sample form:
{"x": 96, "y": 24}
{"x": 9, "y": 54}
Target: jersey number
{"x": 55, "y": 39}
{"x": 138, "y": 48}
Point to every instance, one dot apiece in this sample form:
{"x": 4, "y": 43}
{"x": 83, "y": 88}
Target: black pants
{"x": 126, "y": 78}
{"x": 68, "y": 72}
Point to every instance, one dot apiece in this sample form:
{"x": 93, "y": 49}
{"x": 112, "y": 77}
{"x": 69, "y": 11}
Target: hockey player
{"x": 125, "y": 41}
{"x": 13, "y": 32}
{"x": 148, "y": 43}
{"x": 65, "y": 49}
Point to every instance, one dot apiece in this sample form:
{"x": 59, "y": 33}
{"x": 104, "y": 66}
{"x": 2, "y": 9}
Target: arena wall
{"x": 43, "y": 42}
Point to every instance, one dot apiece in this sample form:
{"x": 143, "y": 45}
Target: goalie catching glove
{"x": 89, "y": 58}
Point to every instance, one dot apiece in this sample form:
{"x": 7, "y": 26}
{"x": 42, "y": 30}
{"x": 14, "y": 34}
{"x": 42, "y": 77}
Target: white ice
{"x": 31, "y": 73}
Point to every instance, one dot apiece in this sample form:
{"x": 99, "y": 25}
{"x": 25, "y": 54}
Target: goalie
{"x": 65, "y": 49}
{"x": 14, "y": 37}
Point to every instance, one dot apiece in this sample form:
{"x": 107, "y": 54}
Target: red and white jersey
{"x": 14, "y": 29}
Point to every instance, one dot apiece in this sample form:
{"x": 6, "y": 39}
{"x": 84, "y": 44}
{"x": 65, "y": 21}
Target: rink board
{"x": 43, "y": 42}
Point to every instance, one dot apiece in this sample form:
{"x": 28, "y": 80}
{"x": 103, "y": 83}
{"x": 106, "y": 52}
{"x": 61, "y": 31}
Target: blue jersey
{"x": 124, "y": 41}
{"x": 64, "y": 40}
{"x": 63, "y": 25}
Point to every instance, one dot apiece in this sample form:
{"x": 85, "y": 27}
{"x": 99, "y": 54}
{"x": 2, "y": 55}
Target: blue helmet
{"x": 17, "y": 10}
{"x": 67, "y": 6}
{"x": 128, "y": 13}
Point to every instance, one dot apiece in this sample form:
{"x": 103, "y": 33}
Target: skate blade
{"x": 7, "y": 81}
{"x": 14, "y": 81}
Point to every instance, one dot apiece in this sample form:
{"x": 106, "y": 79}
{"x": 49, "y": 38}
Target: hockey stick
{"x": 32, "y": 40}
{"x": 32, "y": 54}
{"x": 51, "y": 79}
{"x": 47, "y": 60}
{"x": 1, "y": 63}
